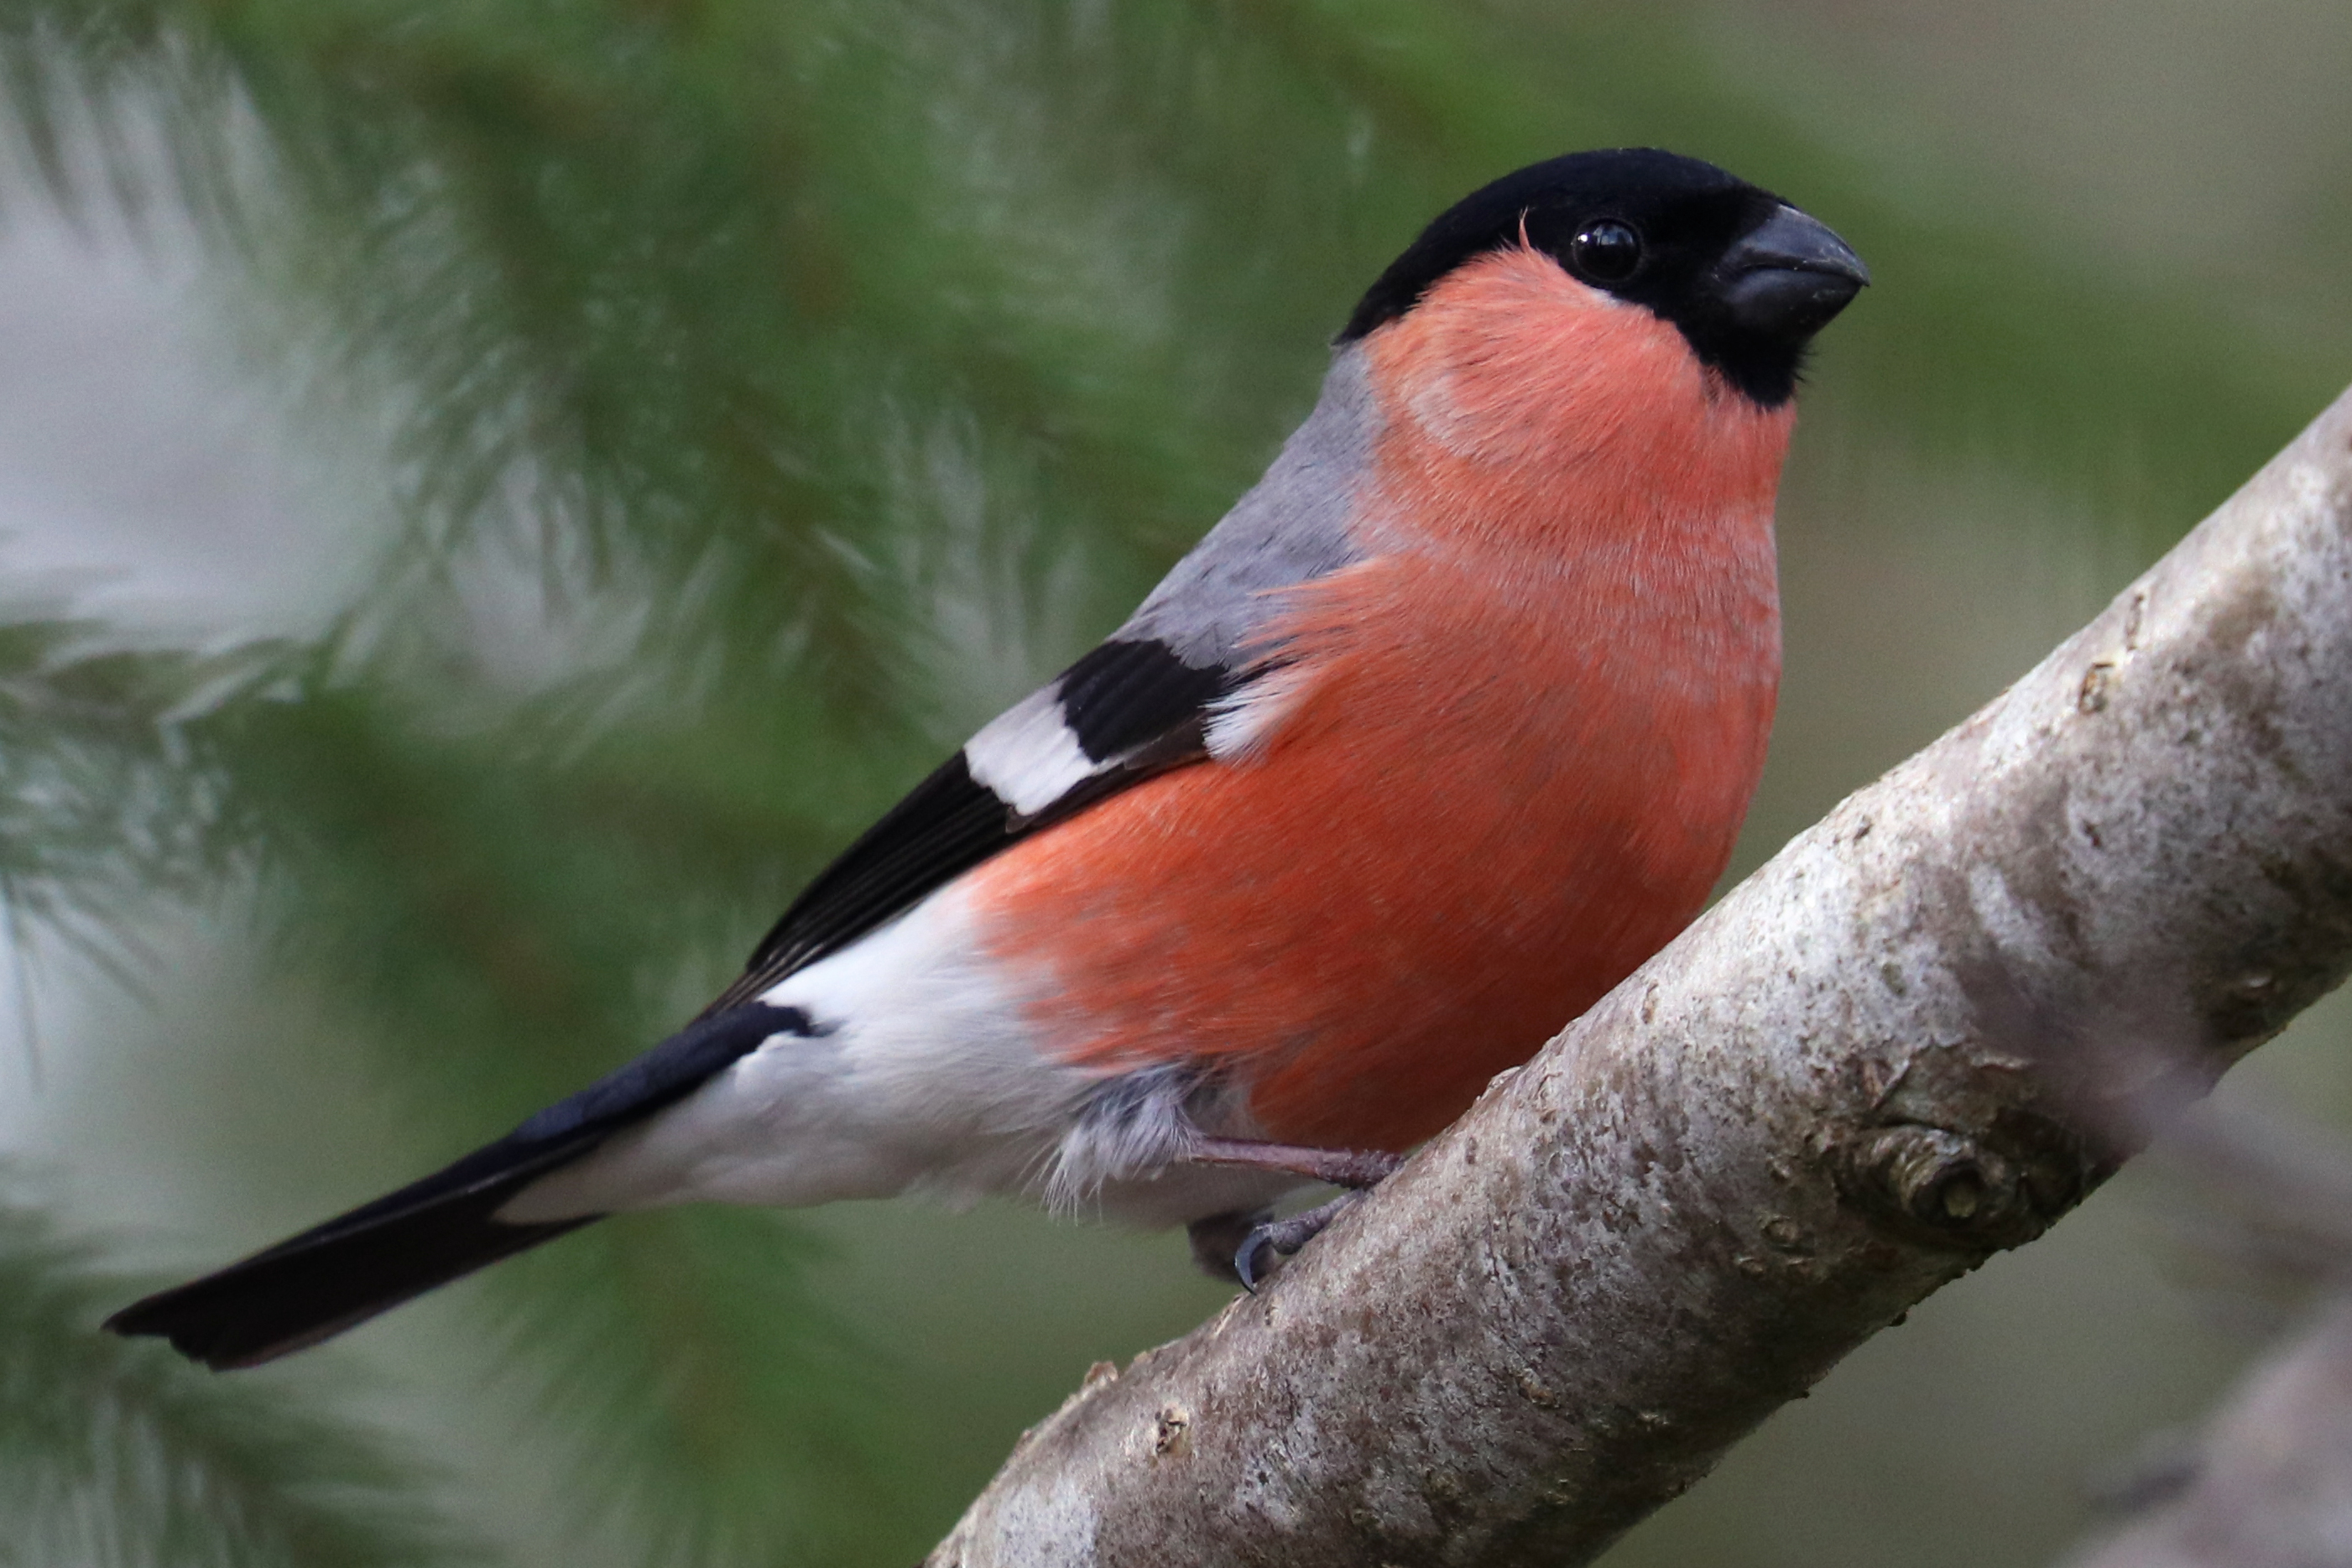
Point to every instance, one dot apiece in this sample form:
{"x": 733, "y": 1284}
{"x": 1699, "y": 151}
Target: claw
{"x": 1214, "y": 1236}
{"x": 1246, "y": 1260}
{"x": 1284, "y": 1238}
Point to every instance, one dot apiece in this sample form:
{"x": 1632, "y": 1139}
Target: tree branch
{"x": 1920, "y": 1034}
{"x": 2267, "y": 1484}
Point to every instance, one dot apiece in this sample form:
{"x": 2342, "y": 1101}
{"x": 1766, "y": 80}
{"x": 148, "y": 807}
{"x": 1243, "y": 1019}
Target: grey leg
{"x": 1341, "y": 1168}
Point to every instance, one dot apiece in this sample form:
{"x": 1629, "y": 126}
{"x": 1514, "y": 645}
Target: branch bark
{"x": 1919, "y": 1035}
{"x": 2268, "y": 1484}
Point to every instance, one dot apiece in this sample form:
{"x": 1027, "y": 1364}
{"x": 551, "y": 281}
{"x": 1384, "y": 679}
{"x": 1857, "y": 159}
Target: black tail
{"x": 314, "y": 1286}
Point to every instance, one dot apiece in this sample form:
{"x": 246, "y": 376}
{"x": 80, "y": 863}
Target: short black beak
{"x": 1788, "y": 275}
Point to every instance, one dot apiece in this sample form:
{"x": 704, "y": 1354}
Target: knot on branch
{"x": 1956, "y": 1154}
{"x": 1960, "y": 1190}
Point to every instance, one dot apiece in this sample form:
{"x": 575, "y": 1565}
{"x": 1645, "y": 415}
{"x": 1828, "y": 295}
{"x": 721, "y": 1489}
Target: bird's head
{"x": 1746, "y": 277}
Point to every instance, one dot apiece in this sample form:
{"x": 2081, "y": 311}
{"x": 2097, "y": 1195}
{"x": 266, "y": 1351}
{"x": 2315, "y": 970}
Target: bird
{"x": 1447, "y": 726}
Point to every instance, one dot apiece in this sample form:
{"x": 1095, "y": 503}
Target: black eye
{"x": 1607, "y": 251}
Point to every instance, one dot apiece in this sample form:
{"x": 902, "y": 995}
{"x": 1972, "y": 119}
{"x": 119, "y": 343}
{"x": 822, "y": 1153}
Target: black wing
{"x": 1126, "y": 711}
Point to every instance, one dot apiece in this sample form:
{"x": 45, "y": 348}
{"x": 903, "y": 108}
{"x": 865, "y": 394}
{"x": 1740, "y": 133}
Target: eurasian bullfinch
{"x": 1445, "y": 728}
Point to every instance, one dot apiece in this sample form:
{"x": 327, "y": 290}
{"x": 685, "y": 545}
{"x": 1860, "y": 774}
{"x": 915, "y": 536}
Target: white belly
{"x": 920, "y": 1074}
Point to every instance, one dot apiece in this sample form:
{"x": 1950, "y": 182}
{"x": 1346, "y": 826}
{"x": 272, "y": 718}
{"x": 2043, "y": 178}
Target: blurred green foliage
{"x": 119, "y": 1453}
{"x": 775, "y": 389}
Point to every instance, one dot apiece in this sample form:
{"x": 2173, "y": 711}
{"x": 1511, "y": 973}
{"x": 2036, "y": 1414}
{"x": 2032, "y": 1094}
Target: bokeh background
{"x": 493, "y": 492}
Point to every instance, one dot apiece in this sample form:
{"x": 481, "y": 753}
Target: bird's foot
{"x": 1272, "y": 1239}
{"x": 1256, "y": 1240}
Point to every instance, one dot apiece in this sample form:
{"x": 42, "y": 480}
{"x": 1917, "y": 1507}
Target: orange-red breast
{"x": 1444, "y": 729}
